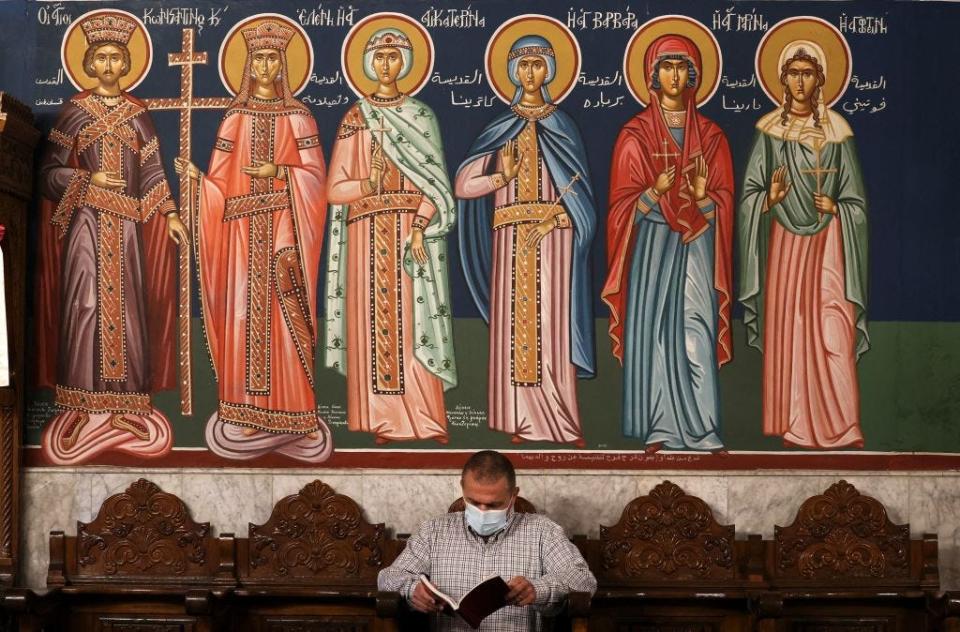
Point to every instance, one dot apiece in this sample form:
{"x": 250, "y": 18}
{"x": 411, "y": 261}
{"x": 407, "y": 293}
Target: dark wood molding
{"x": 18, "y": 139}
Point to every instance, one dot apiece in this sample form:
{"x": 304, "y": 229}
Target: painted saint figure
{"x": 261, "y": 220}
{"x": 106, "y": 298}
{"x": 669, "y": 240}
{"x": 526, "y": 251}
{"x": 803, "y": 260}
{"x": 388, "y": 308}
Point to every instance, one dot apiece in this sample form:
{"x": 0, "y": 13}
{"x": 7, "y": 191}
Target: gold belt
{"x": 524, "y": 213}
{"x": 254, "y": 204}
{"x": 389, "y": 202}
{"x": 114, "y": 203}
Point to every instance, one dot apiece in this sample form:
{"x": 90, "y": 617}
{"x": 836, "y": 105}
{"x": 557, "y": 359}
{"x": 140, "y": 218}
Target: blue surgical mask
{"x": 485, "y": 523}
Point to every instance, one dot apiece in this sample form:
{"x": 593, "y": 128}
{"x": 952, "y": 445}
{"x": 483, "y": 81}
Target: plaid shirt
{"x": 457, "y": 559}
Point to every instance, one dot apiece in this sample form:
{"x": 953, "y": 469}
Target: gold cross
{"x": 819, "y": 171}
{"x": 383, "y": 128}
{"x": 666, "y": 156}
{"x": 187, "y": 58}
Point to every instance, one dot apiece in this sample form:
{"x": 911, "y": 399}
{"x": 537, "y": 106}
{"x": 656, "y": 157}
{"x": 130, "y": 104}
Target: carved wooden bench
{"x": 142, "y": 564}
{"x": 313, "y": 566}
{"x": 843, "y": 565}
{"x": 668, "y": 565}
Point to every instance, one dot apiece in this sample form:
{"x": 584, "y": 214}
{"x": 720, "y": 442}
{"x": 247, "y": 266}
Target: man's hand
{"x": 182, "y": 166}
{"x": 424, "y": 601}
{"x": 522, "y": 592}
{"x": 176, "y": 230}
{"x": 107, "y": 180}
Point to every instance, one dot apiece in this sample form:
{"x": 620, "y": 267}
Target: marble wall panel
{"x": 55, "y": 498}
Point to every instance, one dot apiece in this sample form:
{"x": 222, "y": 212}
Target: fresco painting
{"x": 345, "y": 235}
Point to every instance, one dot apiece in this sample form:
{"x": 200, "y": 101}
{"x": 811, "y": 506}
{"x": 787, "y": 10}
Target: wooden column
{"x": 18, "y": 138}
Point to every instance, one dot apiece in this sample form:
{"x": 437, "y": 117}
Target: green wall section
{"x": 909, "y": 389}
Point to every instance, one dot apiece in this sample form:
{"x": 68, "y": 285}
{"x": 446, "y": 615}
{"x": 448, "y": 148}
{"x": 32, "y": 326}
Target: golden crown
{"x": 389, "y": 39}
{"x": 268, "y": 35}
{"x": 108, "y": 27}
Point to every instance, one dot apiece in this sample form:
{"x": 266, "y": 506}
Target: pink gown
{"x": 547, "y": 410}
{"x": 389, "y": 392}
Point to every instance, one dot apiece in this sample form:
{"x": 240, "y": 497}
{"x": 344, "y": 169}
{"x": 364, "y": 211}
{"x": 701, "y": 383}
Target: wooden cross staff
{"x": 666, "y": 156}
{"x": 185, "y": 104}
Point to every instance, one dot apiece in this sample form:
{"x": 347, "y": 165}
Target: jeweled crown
{"x": 268, "y": 35}
{"x": 389, "y": 39}
{"x": 108, "y": 27}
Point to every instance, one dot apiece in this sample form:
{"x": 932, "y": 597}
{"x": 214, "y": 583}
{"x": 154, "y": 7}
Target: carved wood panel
{"x": 315, "y": 624}
{"x": 842, "y": 534}
{"x": 667, "y": 535}
{"x": 144, "y": 624}
{"x": 668, "y": 627}
{"x": 316, "y": 533}
{"x": 143, "y": 531}
{"x": 841, "y": 625}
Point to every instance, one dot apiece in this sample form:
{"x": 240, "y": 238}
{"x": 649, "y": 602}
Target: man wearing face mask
{"x": 459, "y": 550}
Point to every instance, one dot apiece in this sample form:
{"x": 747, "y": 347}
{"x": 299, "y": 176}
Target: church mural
{"x": 380, "y": 234}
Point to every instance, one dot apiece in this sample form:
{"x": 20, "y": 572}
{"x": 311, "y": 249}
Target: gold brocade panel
{"x": 525, "y": 308}
{"x": 259, "y": 252}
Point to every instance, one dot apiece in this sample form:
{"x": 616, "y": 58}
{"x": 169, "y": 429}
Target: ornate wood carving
{"x": 522, "y": 505}
{"x": 839, "y": 535}
{"x": 140, "y": 624}
{"x": 143, "y": 531}
{"x": 840, "y": 625}
{"x": 668, "y": 627}
{"x": 316, "y": 624}
{"x": 320, "y": 534}
{"x": 18, "y": 138}
{"x": 668, "y": 535}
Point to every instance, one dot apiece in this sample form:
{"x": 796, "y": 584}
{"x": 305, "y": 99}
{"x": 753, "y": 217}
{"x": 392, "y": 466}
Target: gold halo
{"x": 233, "y": 53}
{"x": 804, "y": 27}
{"x": 351, "y": 54}
{"x": 710, "y": 56}
{"x": 564, "y": 44}
{"x": 75, "y": 45}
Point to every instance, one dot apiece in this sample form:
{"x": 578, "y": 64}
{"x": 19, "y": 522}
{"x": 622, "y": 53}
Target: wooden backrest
{"x": 666, "y": 536}
{"x": 315, "y": 537}
{"x": 842, "y": 537}
{"x": 141, "y": 536}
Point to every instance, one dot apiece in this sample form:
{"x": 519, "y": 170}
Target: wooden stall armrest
{"x": 578, "y": 609}
{"x": 388, "y": 604}
{"x": 946, "y": 610}
{"x": 930, "y": 564}
{"x": 56, "y": 570}
{"x": 32, "y": 611}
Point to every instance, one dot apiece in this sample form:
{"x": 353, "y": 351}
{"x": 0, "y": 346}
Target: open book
{"x": 483, "y": 599}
